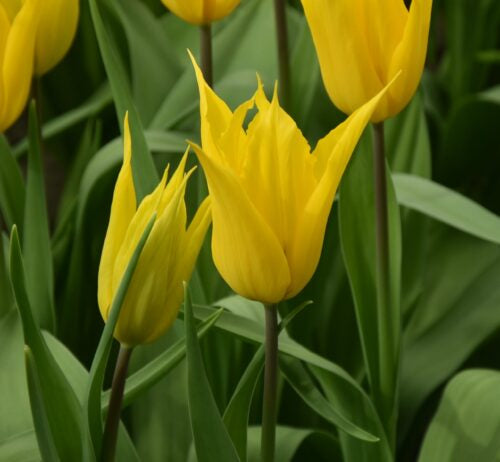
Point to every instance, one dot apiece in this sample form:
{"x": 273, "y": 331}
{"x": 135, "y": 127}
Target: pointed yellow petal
{"x": 153, "y": 300}
{"x": 123, "y": 209}
{"x": 332, "y": 153}
{"x": 17, "y": 72}
{"x": 410, "y": 54}
{"x": 245, "y": 250}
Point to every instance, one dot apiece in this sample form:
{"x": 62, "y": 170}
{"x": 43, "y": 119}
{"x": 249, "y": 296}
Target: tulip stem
{"x": 115, "y": 403}
{"x": 269, "y": 408}
{"x": 386, "y": 387}
{"x": 206, "y": 53}
{"x": 283, "y": 53}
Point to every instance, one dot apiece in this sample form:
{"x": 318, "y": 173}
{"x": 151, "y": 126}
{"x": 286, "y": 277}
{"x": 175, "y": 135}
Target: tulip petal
{"x": 332, "y": 153}
{"x": 411, "y": 52}
{"x": 12, "y": 7}
{"x": 200, "y": 12}
{"x": 345, "y": 58}
{"x": 280, "y": 154}
{"x": 17, "y": 64}
{"x": 245, "y": 250}
{"x": 123, "y": 209}
{"x": 152, "y": 301}
{"x": 56, "y": 31}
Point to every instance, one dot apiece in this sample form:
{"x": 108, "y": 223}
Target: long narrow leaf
{"x": 36, "y": 238}
{"x": 93, "y": 413}
{"x": 42, "y": 427}
{"x": 61, "y": 403}
{"x": 144, "y": 171}
{"x": 211, "y": 439}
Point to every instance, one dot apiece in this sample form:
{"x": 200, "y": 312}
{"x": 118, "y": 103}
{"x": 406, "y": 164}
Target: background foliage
{"x": 444, "y": 152}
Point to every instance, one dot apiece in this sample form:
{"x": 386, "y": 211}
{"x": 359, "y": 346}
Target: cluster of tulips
{"x": 270, "y": 194}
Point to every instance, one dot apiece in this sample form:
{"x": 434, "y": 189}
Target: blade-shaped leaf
{"x": 466, "y": 425}
{"x": 211, "y": 439}
{"x": 447, "y": 206}
{"x": 92, "y": 408}
{"x": 144, "y": 170}
{"x": 36, "y": 237}
{"x": 61, "y": 403}
{"x": 12, "y": 191}
{"x": 42, "y": 427}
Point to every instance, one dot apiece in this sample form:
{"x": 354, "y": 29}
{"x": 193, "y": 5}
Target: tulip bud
{"x": 200, "y": 12}
{"x": 17, "y": 47}
{"x": 363, "y": 44}
{"x": 271, "y": 196}
{"x": 167, "y": 259}
{"x": 56, "y": 31}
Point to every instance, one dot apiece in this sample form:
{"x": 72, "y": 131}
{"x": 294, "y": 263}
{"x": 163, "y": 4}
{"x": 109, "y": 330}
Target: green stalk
{"x": 115, "y": 403}
{"x": 269, "y": 407}
{"x": 283, "y": 53}
{"x": 206, "y": 53}
{"x": 386, "y": 388}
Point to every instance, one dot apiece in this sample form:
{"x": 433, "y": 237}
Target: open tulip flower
{"x": 199, "y": 12}
{"x": 363, "y": 44}
{"x": 167, "y": 259}
{"x": 17, "y": 45}
{"x": 270, "y": 196}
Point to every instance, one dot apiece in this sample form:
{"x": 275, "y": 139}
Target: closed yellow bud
{"x": 56, "y": 31}
{"x": 17, "y": 42}
{"x": 270, "y": 196}
{"x": 363, "y": 44}
{"x": 57, "y": 23}
{"x": 167, "y": 259}
{"x": 200, "y": 12}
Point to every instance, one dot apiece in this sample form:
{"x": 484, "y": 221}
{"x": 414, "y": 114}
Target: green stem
{"x": 206, "y": 53}
{"x": 283, "y": 52}
{"x": 386, "y": 387}
{"x": 269, "y": 408}
{"x": 115, "y": 403}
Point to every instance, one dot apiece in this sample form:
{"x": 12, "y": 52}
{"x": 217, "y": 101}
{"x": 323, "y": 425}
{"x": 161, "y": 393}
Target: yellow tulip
{"x": 167, "y": 259}
{"x": 17, "y": 45}
{"x": 363, "y": 44}
{"x": 57, "y": 23}
{"x": 200, "y": 12}
{"x": 270, "y": 196}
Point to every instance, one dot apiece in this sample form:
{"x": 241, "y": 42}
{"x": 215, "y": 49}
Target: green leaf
{"x": 148, "y": 375}
{"x": 211, "y": 439}
{"x": 93, "y": 420}
{"x": 357, "y": 235}
{"x": 453, "y": 317}
{"x": 288, "y": 441}
{"x": 297, "y": 376}
{"x": 237, "y": 411}
{"x": 12, "y": 191}
{"x": 36, "y": 238}
{"x": 447, "y": 206}
{"x": 61, "y": 404}
{"x": 43, "y": 432}
{"x": 144, "y": 170}
{"x": 90, "y": 108}
{"x": 465, "y": 426}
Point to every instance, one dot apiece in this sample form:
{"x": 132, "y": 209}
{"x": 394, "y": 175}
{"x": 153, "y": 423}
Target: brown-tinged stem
{"x": 206, "y": 53}
{"x": 283, "y": 52}
{"x": 269, "y": 408}
{"x": 115, "y": 403}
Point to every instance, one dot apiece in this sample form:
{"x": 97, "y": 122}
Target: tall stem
{"x": 269, "y": 409}
{"x": 206, "y": 53}
{"x": 386, "y": 389}
{"x": 115, "y": 403}
{"x": 283, "y": 53}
